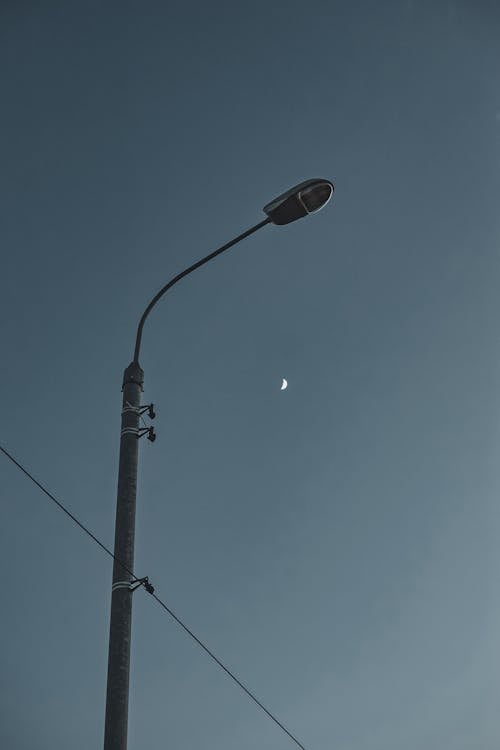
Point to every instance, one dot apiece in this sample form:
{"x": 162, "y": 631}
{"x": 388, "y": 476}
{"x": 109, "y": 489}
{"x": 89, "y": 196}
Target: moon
{"x": 284, "y": 384}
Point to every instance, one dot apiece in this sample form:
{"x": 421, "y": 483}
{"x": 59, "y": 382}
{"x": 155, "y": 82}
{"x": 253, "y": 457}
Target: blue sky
{"x": 336, "y": 544}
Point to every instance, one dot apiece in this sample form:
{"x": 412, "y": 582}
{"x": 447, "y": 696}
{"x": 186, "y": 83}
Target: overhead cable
{"x": 150, "y": 590}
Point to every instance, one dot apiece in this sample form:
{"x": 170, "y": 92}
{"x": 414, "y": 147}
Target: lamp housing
{"x": 307, "y": 197}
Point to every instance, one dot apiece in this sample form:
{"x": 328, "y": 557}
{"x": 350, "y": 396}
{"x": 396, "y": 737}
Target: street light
{"x": 307, "y": 197}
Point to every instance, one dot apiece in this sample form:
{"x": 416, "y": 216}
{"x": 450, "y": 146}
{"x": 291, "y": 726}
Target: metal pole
{"x": 115, "y": 732}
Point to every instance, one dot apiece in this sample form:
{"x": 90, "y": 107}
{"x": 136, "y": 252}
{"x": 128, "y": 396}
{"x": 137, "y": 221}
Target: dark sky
{"x": 336, "y": 544}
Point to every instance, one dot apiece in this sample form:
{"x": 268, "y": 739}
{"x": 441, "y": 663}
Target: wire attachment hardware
{"x": 136, "y": 583}
{"x": 149, "y": 431}
{"x": 140, "y": 410}
{"x": 140, "y": 432}
{"x": 150, "y": 408}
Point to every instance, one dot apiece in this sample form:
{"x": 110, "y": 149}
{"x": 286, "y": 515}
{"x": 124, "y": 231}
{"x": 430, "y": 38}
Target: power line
{"x": 65, "y": 510}
{"x": 160, "y": 602}
{"x": 227, "y": 671}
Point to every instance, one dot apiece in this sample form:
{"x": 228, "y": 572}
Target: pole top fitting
{"x": 133, "y": 374}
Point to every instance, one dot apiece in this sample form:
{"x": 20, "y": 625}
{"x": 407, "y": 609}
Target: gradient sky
{"x": 336, "y": 544}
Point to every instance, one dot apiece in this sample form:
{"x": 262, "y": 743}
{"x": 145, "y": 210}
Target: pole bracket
{"x": 140, "y": 431}
{"x": 140, "y": 410}
{"x": 149, "y": 431}
{"x": 134, "y": 584}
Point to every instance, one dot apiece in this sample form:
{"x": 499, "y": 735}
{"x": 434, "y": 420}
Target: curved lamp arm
{"x": 181, "y": 275}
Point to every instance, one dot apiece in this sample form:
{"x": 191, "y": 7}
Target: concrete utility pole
{"x": 115, "y": 733}
{"x": 305, "y": 198}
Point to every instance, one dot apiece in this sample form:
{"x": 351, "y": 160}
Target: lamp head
{"x": 303, "y": 199}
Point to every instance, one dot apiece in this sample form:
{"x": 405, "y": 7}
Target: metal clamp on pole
{"x": 142, "y": 582}
{"x": 149, "y": 431}
{"x": 140, "y": 410}
{"x": 140, "y": 431}
{"x": 134, "y": 585}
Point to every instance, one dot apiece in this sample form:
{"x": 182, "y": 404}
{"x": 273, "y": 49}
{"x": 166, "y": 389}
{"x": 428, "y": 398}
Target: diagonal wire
{"x": 227, "y": 671}
{"x": 65, "y": 510}
{"x": 160, "y": 602}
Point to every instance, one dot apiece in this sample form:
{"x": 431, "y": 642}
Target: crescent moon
{"x": 284, "y": 384}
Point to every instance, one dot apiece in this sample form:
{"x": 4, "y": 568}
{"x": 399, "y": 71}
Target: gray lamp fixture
{"x": 303, "y": 199}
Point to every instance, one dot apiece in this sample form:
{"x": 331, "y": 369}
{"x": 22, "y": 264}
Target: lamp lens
{"x": 315, "y": 197}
